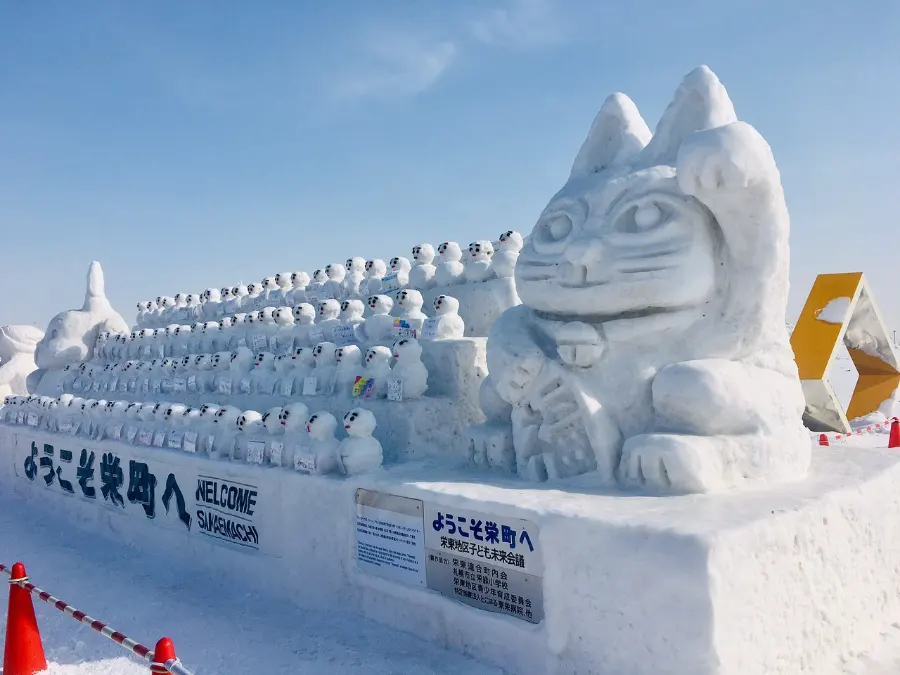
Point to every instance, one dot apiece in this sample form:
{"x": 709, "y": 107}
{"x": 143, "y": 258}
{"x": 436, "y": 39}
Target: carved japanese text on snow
{"x": 651, "y": 346}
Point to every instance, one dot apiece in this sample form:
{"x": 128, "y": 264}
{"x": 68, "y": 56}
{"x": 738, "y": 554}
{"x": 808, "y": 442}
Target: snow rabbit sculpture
{"x": 651, "y": 346}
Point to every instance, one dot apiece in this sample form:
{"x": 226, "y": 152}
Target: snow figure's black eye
{"x": 313, "y": 418}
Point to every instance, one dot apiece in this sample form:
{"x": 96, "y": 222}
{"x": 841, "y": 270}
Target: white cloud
{"x": 520, "y": 24}
{"x": 397, "y": 64}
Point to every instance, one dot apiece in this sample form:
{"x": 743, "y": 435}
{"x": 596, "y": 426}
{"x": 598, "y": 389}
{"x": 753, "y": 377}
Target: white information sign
{"x": 389, "y": 537}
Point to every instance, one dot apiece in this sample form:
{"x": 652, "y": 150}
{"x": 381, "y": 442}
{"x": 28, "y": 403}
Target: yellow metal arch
{"x": 841, "y": 307}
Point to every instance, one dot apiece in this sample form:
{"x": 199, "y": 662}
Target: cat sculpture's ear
{"x": 618, "y": 134}
{"x": 701, "y": 102}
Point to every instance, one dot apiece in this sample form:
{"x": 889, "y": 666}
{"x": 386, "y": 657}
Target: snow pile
{"x": 835, "y": 311}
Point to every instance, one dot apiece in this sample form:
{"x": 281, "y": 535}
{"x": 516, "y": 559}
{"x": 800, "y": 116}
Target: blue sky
{"x": 188, "y": 145}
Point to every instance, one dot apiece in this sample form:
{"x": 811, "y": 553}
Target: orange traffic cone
{"x": 894, "y": 438}
{"x": 24, "y": 653}
{"x": 165, "y": 651}
{"x": 823, "y": 440}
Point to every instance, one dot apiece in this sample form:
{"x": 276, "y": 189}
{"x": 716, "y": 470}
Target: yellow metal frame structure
{"x": 841, "y": 307}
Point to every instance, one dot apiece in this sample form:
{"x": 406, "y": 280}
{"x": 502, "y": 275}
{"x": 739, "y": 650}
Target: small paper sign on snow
{"x": 159, "y": 439}
{"x": 363, "y": 387}
{"x": 276, "y": 449}
{"x": 316, "y": 335}
{"x": 309, "y": 386}
{"x": 304, "y": 460}
{"x": 175, "y": 440}
{"x": 390, "y": 282}
{"x": 395, "y": 390}
{"x": 402, "y": 329}
{"x": 190, "y": 441}
{"x": 117, "y": 432}
{"x": 224, "y": 386}
{"x": 256, "y": 450}
{"x": 179, "y": 384}
{"x": 209, "y": 443}
{"x": 430, "y": 328}
{"x": 145, "y": 437}
{"x": 192, "y": 383}
{"x": 259, "y": 342}
{"x": 245, "y": 385}
{"x": 345, "y": 335}
{"x": 32, "y": 420}
{"x": 287, "y": 386}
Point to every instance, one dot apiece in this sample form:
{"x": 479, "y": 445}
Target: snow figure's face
{"x": 208, "y": 412}
{"x": 407, "y": 349}
{"x": 227, "y": 416}
{"x": 241, "y": 290}
{"x": 381, "y": 304}
{"x": 359, "y": 423}
{"x": 249, "y": 421}
{"x": 319, "y": 276}
{"x": 323, "y": 353}
{"x": 335, "y": 272}
{"x": 481, "y": 250}
{"x": 272, "y": 420}
{"x": 304, "y": 314}
{"x": 251, "y": 317}
{"x": 186, "y": 361}
{"x": 329, "y": 309}
{"x": 254, "y": 289}
{"x": 409, "y": 299}
{"x": 321, "y": 426}
{"x": 348, "y": 355}
{"x": 191, "y": 299}
{"x": 302, "y": 356}
{"x": 227, "y": 294}
{"x": 450, "y": 252}
{"x": 263, "y": 360}
{"x": 173, "y": 411}
{"x": 179, "y": 298}
{"x": 377, "y": 355}
{"x": 299, "y": 279}
{"x": 269, "y": 283}
{"x": 293, "y": 416}
{"x": 399, "y": 264}
{"x": 281, "y": 362}
{"x": 423, "y": 254}
{"x": 446, "y": 304}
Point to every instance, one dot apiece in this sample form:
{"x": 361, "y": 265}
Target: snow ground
{"x": 218, "y": 628}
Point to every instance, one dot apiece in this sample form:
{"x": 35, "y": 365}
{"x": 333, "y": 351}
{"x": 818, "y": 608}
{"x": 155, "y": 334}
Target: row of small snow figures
{"x": 283, "y": 329}
{"x": 325, "y": 369}
{"x": 356, "y": 278}
{"x": 288, "y": 436}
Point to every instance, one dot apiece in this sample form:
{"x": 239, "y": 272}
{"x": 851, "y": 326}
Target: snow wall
{"x": 535, "y": 580}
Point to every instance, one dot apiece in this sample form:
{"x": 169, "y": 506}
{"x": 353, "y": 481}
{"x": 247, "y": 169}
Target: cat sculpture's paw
{"x": 514, "y": 382}
{"x": 674, "y": 463}
{"x": 724, "y": 159}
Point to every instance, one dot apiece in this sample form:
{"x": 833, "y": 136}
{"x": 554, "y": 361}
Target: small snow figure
{"x": 334, "y": 287}
{"x": 380, "y": 324}
{"x": 322, "y": 444}
{"x": 226, "y": 431}
{"x": 282, "y": 341}
{"x": 421, "y": 276}
{"x": 329, "y": 311}
{"x": 304, "y": 318}
{"x": 504, "y": 260}
{"x": 478, "y": 264}
{"x": 263, "y": 375}
{"x": 378, "y": 367}
{"x": 375, "y": 271}
{"x": 352, "y": 313}
{"x": 360, "y": 452}
{"x": 411, "y": 301}
{"x": 355, "y": 275}
{"x": 448, "y": 324}
{"x": 297, "y": 294}
{"x": 323, "y": 357}
{"x": 302, "y": 363}
{"x": 449, "y": 269}
{"x": 249, "y": 444}
{"x": 400, "y": 267}
{"x": 409, "y": 368}
{"x": 274, "y": 452}
{"x": 347, "y": 360}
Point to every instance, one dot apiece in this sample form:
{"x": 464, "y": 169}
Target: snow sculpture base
{"x": 784, "y": 580}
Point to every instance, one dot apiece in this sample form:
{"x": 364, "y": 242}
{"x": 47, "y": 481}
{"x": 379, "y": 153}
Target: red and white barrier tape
{"x": 173, "y": 666}
{"x": 868, "y": 429}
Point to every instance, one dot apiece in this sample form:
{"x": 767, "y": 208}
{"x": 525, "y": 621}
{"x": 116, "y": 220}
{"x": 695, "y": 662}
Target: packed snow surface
{"x": 835, "y": 311}
{"x": 218, "y": 627}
